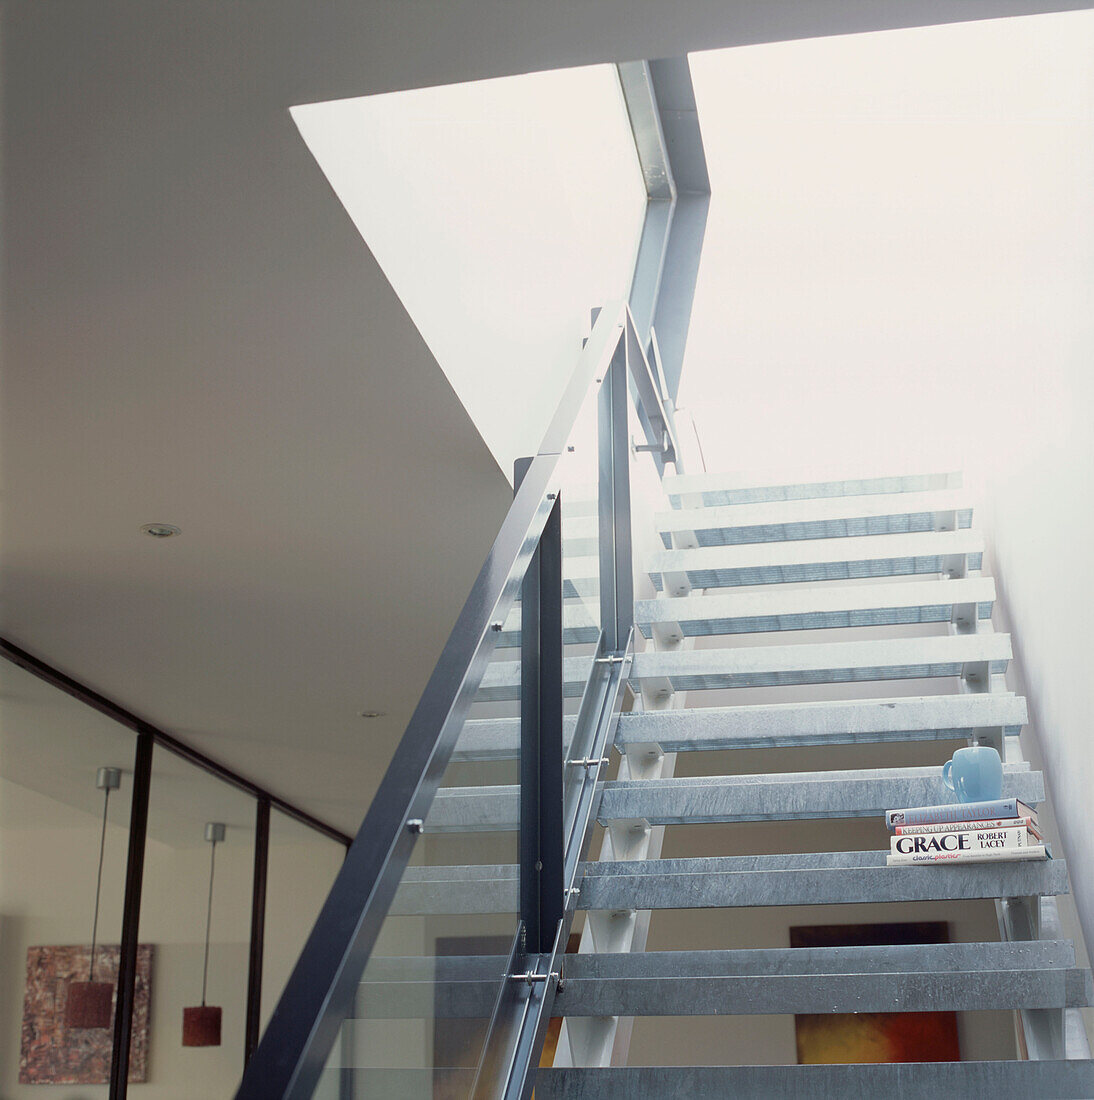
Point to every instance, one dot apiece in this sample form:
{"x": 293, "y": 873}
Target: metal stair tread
{"x": 804, "y": 560}
{"x": 925, "y": 717}
{"x": 775, "y": 725}
{"x": 721, "y": 488}
{"x": 790, "y": 796}
{"x": 901, "y": 978}
{"x": 766, "y": 962}
{"x": 755, "y": 666}
{"x": 905, "y": 958}
{"x": 823, "y": 607}
{"x": 770, "y": 796}
{"x": 817, "y": 878}
{"x": 830, "y": 517}
{"x": 928, "y": 977}
{"x": 1048, "y": 1080}
{"x": 498, "y": 738}
{"x": 823, "y": 662}
{"x": 579, "y": 625}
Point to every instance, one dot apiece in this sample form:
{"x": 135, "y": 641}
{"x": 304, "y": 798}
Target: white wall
{"x": 898, "y": 259}
{"x": 898, "y": 273}
{"x": 1041, "y": 530}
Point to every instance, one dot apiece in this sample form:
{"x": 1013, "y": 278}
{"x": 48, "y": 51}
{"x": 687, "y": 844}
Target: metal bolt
{"x": 531, "y": 978}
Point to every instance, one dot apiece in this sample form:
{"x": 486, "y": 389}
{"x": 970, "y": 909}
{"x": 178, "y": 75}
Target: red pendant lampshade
{"x": 90, "y": 1004}
{"x": 201, "y": 1024}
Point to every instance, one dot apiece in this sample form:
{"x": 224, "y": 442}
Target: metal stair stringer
{"x": 604, "y": 1041}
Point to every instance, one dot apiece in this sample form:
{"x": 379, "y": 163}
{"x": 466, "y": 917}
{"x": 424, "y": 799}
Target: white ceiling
{"x": 194, "y": 333}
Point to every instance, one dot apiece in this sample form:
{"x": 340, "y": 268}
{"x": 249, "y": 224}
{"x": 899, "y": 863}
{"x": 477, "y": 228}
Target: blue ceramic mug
{"x": 974, "y": 774}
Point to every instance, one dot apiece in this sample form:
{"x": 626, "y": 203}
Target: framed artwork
{"x": 829, "y": 1038}
{"x": 52, "y": 1054}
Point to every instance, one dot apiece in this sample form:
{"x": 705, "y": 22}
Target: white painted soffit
{"x": 501, "y": 211}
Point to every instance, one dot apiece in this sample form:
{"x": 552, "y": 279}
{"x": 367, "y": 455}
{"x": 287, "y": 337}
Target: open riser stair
{"x": 890, "y": 568}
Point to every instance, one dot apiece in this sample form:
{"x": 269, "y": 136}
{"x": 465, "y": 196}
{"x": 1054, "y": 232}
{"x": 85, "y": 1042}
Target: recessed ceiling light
{"x": 371, "y": 714}
{"x": 161, "y": 530}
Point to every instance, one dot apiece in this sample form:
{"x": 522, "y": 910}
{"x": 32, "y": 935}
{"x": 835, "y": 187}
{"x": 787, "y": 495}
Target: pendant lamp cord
{"x": 98, "y": 886}
{"x": 208, "y": 923}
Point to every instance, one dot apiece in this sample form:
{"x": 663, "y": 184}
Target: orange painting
{"x": 53, "y": 1054}
{"x": 829, "y": 1038}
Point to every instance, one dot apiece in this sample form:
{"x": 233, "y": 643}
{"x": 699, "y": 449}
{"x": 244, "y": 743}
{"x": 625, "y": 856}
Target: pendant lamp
{"x": 89, "y": 1004}
{"x": 201, "y": 1024}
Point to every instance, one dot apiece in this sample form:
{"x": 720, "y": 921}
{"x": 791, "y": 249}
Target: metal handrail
{"x": 319, "y": 993}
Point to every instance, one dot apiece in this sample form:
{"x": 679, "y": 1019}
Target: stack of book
{"x": 967, "y": 832}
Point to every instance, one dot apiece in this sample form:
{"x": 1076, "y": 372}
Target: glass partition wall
{"x": 203, "y": 968}
{"x": 433, "y": 963}
{"x": 51, "y": 838}
{"x": 425, "y": 962}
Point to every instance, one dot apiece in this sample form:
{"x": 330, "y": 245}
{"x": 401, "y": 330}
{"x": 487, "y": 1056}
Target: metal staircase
{"x": 469, "y": 934}
{"x": 809, "y": 546}
{"x": 787, "y": 637}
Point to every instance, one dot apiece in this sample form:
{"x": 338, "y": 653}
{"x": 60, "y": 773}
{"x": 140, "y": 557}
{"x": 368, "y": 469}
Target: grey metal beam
{"x": 665, "y": 122}
{"x": 830, "y": 662}
{"x": 919, "y": 553}
{"x": 821, "y": 607}
{"x": 649, "y": 263}
{"x": 789, "y": 796}
{"x": 780, "y": 725}
{"x": 649, "y": 137}
{"x": 719, "y": 489}
{"x": 498, "y": 738}
{"x": 831, "y": 517}
{"x": 1054, "y": 1080}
